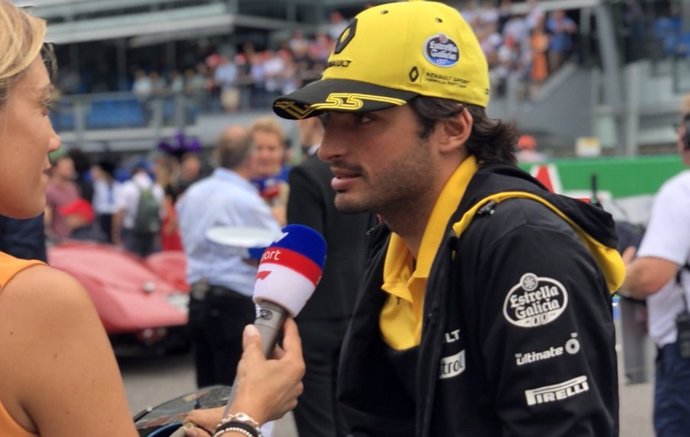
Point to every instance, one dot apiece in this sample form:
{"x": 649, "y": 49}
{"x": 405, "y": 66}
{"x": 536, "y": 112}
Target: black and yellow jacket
{"x": 517, "y": 338}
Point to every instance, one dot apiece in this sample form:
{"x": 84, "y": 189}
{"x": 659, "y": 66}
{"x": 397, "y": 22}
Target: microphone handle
{"x": 269, "y": 322}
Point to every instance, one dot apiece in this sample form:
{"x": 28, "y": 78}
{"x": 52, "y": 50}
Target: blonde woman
{"x": 58, "y": 375}
{"x": 270, "y": 165}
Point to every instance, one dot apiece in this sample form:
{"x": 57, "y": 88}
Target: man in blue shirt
{"x": 222, "y": 280}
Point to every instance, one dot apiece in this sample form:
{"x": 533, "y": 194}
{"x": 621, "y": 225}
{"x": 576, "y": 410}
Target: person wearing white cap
{"x": 486, "y": 308}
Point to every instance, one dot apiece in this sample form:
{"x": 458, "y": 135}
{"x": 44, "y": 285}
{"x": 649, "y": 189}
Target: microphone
{"x": 289, "y": 270}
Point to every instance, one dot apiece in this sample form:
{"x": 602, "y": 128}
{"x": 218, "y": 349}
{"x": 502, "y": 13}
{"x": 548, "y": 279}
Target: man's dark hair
{"x": 491, "y": 140}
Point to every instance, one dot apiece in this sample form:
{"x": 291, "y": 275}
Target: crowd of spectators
{"x": 233, "y": 80}
{"x": 228, "y": 80}
{"x": 531, "y": 45}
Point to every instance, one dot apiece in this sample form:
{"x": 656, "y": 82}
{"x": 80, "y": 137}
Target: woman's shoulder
{"x": 10, "y": 266}
{"x": 49, "y": 325}
{"x": 41, "y": 289}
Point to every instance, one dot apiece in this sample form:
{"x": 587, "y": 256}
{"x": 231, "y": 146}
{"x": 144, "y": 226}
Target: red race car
{"x": 142, "y": 303}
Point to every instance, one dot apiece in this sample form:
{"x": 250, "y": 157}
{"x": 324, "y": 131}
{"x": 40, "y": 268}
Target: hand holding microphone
{"x": 289, "y": 270}
{"x": 268, "y": 388}
{"x": 268, "y": 380}
{"x": 265, "y": 389}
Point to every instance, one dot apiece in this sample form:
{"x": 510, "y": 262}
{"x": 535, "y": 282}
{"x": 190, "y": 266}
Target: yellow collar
{"x": 399, "y": 261}
{"x": 405, "y": 281}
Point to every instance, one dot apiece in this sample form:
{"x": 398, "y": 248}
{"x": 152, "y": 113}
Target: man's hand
{"x": 646, "y": 274}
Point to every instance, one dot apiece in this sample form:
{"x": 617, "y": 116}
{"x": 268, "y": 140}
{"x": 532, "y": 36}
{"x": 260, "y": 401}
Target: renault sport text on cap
{"x": 391, "y": 53}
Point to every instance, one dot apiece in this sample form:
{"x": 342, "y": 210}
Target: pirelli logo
{"x": 557, "y": 392}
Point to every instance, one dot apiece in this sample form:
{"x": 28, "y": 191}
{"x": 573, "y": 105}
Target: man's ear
{"x": 455, "y": 131}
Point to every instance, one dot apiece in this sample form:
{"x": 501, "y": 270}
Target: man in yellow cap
{"x": 486, "y": 307}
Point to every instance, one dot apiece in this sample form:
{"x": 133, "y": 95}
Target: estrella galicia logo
{"x": 345, "y": 37}
{"x": 535, "y": 301}
{"x": 441, "y": 51}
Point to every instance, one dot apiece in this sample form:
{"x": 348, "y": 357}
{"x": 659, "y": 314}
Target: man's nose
{"x": 331, "y": 147}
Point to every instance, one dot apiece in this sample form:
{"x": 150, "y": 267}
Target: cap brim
{"x": 338, "y": 95}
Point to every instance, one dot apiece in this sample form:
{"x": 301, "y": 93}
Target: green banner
{"x": 621, "y": 177}
{"x": 625, "y": 186}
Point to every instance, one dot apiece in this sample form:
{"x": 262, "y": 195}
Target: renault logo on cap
{"x": 414, "y": 74}
{"x": 345, "y": 37}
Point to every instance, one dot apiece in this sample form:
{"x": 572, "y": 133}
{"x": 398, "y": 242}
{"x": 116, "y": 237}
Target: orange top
{"x": 10, "y": 266}
{"x": 10, "y": 428}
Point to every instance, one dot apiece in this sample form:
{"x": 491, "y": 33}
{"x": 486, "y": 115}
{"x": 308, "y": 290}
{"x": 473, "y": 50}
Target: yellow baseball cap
{"x": 392, "y": 53}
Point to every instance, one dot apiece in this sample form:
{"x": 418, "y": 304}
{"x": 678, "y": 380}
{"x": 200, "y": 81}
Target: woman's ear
{"x": 455, "y": 131}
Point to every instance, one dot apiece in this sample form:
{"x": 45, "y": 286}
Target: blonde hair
{"x": 21, "y": 41}
{"x": 270, "y": 125}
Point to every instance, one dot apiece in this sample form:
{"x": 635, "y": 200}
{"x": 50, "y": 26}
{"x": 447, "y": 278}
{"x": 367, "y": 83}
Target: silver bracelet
{"x": 233, "y": 429}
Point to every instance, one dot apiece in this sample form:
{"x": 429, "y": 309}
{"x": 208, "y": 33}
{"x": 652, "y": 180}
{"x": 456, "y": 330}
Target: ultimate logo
{"x": 535, "y": 301}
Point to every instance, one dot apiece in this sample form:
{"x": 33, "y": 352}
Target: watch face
{"x": 242, "y": 418}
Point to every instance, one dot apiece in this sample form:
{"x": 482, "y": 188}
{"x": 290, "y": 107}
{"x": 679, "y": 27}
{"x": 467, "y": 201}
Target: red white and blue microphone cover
{"x": 290, "y": 268}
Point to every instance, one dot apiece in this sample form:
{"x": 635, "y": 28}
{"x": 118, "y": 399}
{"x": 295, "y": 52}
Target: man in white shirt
{"x": 660, "y": 274}
{"x": 222, "y": 279}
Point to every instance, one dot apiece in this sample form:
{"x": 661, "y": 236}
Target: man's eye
{"x": 324, "y": 119}
{"x": 362, "y": 118}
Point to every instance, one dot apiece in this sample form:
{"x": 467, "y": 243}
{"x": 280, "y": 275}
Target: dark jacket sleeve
{"x": 305, "y": 203}
{"x": 23, "y": 238}
{"x": 545, "y": 334}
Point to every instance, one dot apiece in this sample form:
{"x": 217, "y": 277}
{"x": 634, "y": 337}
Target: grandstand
{"x": 127, "y": 65}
